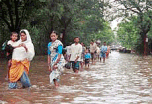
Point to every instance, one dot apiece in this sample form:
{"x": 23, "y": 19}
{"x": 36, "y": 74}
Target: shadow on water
{"x": 123, "y": 79}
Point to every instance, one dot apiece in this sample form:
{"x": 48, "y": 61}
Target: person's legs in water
{"x": 103, "y": 59}
{"x": 73, "y": 65}
{"x": 104, "y": 56}
{"x": 8, "y": 68}
{"x": 13, "y": 85}
{"x": 25, "y": 80}
{"x": 98, "y": 57}
{"x": 101, "y": 55}
{"x": 107, "y": 54}
{"x": 76, "y": 66}
{"x": 92, "y": 57}
{"x": 88, "y": 62}
{"x": 95, "y": 57}
{"x": 76, "y": 71}
{"x": 85, "y": 62}
{"x": 81, "y": 64}
{"x": 56, "y": 82}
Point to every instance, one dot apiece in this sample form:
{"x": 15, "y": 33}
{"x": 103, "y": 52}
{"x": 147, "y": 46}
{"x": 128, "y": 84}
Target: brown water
{"x": 123, "y": 79}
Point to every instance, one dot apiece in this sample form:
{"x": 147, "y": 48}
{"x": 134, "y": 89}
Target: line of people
{"x": 86, "y": 54}
{"x": 77, "y": 55}
{"x": 22, "y": 53}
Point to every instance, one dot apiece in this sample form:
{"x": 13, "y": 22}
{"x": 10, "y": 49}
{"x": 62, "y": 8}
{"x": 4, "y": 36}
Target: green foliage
{"x": 141, "y": 26}
{"x": 83, "y": 18}
{"x": 127, "y": 33}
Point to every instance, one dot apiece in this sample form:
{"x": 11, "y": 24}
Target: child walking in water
{"x": 11, "y": 44}
{"x": 87, "y": 58}
{"x": 56, "y": 60}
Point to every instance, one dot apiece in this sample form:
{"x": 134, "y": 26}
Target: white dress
{"x": 53, "y": 52}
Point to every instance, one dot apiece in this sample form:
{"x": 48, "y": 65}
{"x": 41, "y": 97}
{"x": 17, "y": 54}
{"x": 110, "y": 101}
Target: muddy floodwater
{"x": 123, "y": 79}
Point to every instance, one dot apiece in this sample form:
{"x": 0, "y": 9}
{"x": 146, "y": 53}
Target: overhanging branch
{"x": 10, "y": 13}
{"x": 16, "y": 13}
{"x": 6, "y": 22}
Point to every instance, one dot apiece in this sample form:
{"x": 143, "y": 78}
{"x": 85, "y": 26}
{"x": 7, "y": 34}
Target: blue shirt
{"x": 103, "y": 49}
{"x": 87, "y": 56}
{"x": 59, "y": 48}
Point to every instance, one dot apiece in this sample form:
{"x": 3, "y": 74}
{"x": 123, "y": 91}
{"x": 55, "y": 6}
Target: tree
{"x": 141, "y": 8}
{"x": 83, "y": 18}
{"x": 14, "y": 12}
{"x": 127, "y": 33}
{"x": 70, "y": 8}
{"x": 90, "y": 20}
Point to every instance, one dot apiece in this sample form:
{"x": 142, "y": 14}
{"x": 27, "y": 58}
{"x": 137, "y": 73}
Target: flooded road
{"x": 123, "y": 79}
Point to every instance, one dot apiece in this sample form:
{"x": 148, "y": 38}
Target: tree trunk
{"x": 145, "y": 28}
{"x": 144, "y": 44}
{"x": 64, "y": 35}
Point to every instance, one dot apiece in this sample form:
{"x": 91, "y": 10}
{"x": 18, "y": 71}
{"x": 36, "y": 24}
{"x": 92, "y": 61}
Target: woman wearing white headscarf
{"x": 21, "y": 61}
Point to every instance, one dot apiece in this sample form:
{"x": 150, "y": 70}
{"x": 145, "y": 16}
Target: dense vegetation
{"x": 136, "y": 25}
{"x": 83, "y": 18}
{"x": 88, "y": 19}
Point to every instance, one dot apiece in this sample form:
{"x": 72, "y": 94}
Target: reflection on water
{"x": 123, "y": 79}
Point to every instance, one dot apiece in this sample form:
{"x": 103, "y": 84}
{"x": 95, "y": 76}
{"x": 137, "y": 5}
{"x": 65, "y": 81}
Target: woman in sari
{"x": 21, "y": 61}
{"x": 56, "y": 60}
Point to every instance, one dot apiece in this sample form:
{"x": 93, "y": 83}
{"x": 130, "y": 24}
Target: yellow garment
{"x": 17, "y": 69}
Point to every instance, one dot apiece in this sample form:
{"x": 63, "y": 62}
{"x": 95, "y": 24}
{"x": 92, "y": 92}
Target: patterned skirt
{"x": 55, "y": 74}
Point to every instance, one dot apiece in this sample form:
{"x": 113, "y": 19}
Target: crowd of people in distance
{"x": 79, "y": 55}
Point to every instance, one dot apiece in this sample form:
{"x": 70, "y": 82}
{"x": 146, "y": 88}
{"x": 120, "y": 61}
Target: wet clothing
{"x": 87, "y": 58}
{"x": 93, "y": 56}
{"x": 10, "y": 47}
{"x": 108, "y": 51}
{"x": 13, "y": 44}
{"x": 76, "y": 50}
{"x": 68, "y": 48}
{"x": 93, "y": 48}
{"x": 54, "y": 49}
{"x": 83, "y": 53}
{"x": 87, "y": 61}
{"x": 98, "y": 52}
{"x": 25, "y": 81}
{"x": 21, "y": 62}
{"x": 75, "y": 65}
{"x": 9, "y": 50}
{"x": 103, "y": 51}
{"x": 103, "y": 55}
{"x": 67, "y": 56}
{"x": 17, "y": 69}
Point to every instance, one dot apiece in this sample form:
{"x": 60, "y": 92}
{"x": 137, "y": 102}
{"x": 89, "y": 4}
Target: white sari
{"x": 21, "y": 62}
{"x": 20, "y": 53}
